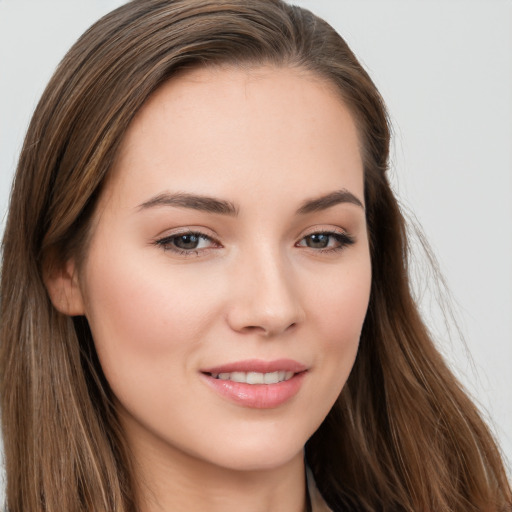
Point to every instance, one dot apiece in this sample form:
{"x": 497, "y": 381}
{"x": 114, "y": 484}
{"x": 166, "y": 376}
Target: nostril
{"x": 253, "y": 328}
{"x": 267, "y": 330}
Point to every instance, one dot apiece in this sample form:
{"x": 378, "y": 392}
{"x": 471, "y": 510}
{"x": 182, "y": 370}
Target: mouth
{"x": 254, "y": 377}
{"x": 255, "y": 383}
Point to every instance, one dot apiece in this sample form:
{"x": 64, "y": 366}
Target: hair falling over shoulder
{"x": 403, "y": 435}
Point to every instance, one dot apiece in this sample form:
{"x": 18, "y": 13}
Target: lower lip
{"x": 257, "y": 396}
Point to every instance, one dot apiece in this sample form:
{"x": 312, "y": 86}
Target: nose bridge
{"x": 265, "y": 298}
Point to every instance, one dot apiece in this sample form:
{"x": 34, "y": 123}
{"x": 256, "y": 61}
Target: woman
{"x": 204, "y": 283}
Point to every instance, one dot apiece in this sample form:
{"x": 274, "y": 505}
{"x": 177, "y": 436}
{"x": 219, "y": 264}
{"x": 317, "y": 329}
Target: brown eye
{"x": 189, "y": 241}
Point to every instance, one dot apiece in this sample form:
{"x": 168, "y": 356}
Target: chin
{"x": 256, "y": 452}
{"x": 257, "y": 459}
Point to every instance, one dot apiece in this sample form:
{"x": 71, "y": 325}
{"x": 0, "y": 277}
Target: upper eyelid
{"x": 207, "y": 233}
{"x": 187, "y": 230}
{"x": 330, "y": 232}
{"x": 199, "y": 234}
{"x": 324, "y": 229}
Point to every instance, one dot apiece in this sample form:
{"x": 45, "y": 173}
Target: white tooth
{"x": 238, "y": 377}
{"x": 271, "y": 378}
{"x": 254, "y": 378}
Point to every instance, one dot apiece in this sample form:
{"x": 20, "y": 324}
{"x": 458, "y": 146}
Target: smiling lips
{"x": 255, "y": 383}
{"x": 255, "y": 377}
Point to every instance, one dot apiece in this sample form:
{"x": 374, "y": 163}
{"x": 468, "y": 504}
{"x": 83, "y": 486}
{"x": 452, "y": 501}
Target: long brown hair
{"x": 403, "y": 436}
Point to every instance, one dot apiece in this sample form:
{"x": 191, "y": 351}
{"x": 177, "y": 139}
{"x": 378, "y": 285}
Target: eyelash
{"x": 342, "y": 239}
{"x": 167, "y": 243}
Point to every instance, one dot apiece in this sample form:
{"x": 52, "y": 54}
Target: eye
{"x": 326, "y": 241}
{"x": 186, "y": 243}
{"x": 189, "y": 241}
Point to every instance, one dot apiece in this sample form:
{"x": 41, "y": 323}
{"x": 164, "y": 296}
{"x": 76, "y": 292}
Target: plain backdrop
{"x": 445, "y": 70}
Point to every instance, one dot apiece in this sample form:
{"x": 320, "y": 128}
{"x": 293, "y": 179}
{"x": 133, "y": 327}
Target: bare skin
{"x": 232, "y": 230}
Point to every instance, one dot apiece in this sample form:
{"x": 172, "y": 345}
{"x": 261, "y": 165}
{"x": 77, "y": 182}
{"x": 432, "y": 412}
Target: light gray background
{"x": 445, "y": 69}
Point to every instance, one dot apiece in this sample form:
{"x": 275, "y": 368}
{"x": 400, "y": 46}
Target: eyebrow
{"x": 329, "y": 200}
{"x": 223, "y": 207}
{"x": 195, "y": 202}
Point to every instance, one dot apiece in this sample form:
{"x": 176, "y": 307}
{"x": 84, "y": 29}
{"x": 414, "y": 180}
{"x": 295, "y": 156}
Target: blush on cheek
{"x": 344, "y": 313}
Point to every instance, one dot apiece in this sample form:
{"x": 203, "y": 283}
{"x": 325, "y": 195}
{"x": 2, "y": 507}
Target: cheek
{"x": 339, "y": 311}
{"x": 341, "y": 304}
{"x": 138, "y": 313}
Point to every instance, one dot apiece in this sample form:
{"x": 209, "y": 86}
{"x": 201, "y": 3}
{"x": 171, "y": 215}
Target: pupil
{"x": 187, "y": 241}
{"x": 318, "y": 241}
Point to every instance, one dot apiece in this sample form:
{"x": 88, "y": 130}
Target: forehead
{"x": 234, "y": 129}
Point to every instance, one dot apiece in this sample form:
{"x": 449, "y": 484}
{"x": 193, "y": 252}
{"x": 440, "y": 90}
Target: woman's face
{"x": 228, "y": 274}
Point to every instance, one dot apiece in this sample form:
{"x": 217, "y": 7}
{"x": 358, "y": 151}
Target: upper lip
{"x": 259, "y": 366}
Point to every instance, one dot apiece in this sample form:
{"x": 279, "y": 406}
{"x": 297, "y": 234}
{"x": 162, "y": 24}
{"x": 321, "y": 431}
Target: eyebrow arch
{"x": 329, "y": 200}
{"x": 195, "y": 202}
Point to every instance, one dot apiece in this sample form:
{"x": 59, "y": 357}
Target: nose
{"x": 265, "y": 298}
